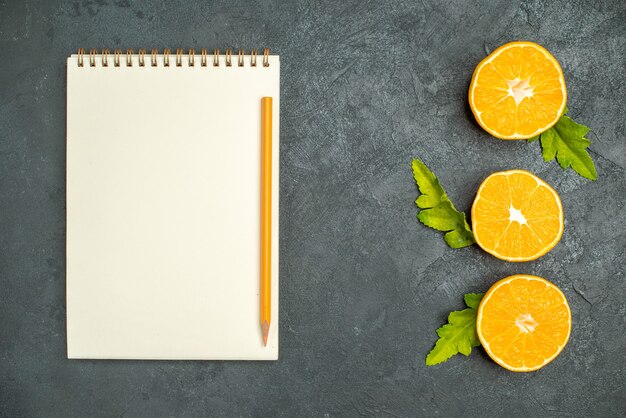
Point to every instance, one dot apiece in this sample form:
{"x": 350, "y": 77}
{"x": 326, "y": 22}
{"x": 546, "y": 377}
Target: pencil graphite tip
{"x": 265, "y": 328}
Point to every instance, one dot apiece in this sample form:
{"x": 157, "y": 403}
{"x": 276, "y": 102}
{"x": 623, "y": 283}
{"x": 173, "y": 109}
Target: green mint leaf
{"x": 566, "y": 142}
{"x": 472, "y": 300}
{"x": 459, "y": 334}
{"x": 438, "y": 212}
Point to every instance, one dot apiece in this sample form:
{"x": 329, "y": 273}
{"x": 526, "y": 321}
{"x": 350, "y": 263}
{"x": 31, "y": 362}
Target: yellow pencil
{"x": 266, "y": 217}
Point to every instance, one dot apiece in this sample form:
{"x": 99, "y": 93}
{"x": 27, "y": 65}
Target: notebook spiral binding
{"x": 190, "y": 57}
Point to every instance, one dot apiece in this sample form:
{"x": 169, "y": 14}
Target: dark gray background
{"x": 366, "y": 86}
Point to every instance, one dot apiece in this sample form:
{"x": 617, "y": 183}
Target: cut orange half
{"x": 523, "y": 322}
{"x": 516, "y": 216}
{"x": 518, "y": 91}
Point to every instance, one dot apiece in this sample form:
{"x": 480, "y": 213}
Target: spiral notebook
{"x": 163, "y": 195}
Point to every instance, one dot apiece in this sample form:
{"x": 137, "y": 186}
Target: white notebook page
{"x": 163, "y": 220}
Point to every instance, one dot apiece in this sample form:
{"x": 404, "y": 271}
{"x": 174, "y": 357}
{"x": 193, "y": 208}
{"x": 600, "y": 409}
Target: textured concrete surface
{"x": 366, "y": 86}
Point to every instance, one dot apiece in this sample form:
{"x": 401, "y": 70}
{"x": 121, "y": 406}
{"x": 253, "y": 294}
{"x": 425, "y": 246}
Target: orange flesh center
{"x": 519, "y": 89}
{"x": 515, "y": 215}
{"x": 526, "y": 323}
